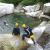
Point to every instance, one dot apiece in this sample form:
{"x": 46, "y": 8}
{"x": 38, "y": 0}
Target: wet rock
{"x": 5, "y": 23}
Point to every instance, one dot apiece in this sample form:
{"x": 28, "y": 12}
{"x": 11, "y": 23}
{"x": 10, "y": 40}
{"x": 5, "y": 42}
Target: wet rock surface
{"x": 47, "y": 47}
{"x": 6, "y": 25}
{"x": 43, "y": 40}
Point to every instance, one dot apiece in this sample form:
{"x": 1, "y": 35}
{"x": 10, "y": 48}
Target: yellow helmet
{"x": 16, "y": 24}
{"x": 24, "y": 25}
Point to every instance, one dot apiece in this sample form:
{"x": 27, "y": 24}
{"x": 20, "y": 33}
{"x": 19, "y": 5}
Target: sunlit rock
{"x": 34, "y": 14}
{"x": 29, "y": 41}
{"x": 46, "y": 8}
{"x": 38, "y": 31}
{"x": 32, "y": 8}
{"x": 6, "y": 8}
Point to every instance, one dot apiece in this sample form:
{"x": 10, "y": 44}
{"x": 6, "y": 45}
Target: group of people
{"x": 27, "y": 29}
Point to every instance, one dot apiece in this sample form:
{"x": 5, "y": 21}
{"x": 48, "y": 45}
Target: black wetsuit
{"x": 28, "y": 30}
{"x": 16, "y": 31}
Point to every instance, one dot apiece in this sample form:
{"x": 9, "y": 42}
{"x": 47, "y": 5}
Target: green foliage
{"x": 30, "y": 2}
{"x": 15, "y": 2}
{"x": 24, "y": 2}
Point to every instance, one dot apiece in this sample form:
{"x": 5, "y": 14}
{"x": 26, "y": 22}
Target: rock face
{"x": 34, "y": 14}
{"x": 46, "y": 8}
{"x": 32, "y": 8}
{"x": 6, "y": 8}
{"x": 36, "y": 11}
{"x": 38, "y": 31}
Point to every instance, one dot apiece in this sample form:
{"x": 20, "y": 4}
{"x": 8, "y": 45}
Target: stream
{"x": 7, "y": 23}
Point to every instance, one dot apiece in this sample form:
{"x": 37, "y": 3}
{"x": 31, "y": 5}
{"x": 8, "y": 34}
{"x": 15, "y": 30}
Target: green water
{"x": 20, "y": 18}
{"x": 13, "y": 18}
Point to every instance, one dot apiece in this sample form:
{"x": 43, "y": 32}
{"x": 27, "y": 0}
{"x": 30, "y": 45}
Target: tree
{"x": 31, "y": 2}
{"x": 15, "y": 2}
{"x": 28, "y": 2}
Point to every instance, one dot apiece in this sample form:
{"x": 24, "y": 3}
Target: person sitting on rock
{"x": 27, "y": 29}
{"x": 29, "y": 33}
{"x": 20, "y": 43}
{"x": 16, "y": 30}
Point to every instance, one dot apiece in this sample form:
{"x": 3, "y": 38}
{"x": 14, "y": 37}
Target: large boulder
{"x": 38, "y": 31}
{"x": 32, "y": 8}
{"x": 6, "y": 8}
{"x": 46, "y": 8}
{"x": 34, "y": 14}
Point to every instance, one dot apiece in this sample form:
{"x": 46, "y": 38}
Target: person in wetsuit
{"x": 27, "y": 29}
{"x": 16, "y": 30}
{"x": 29, "y": 33}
